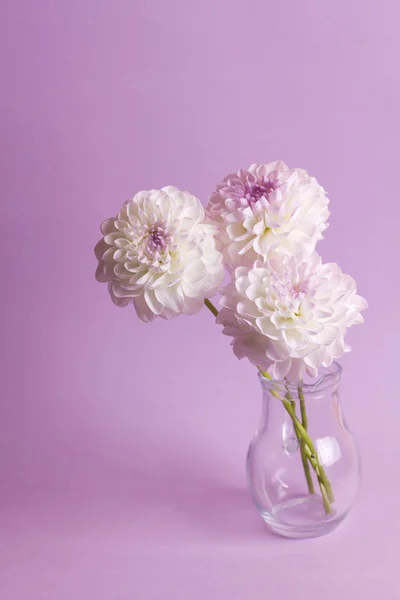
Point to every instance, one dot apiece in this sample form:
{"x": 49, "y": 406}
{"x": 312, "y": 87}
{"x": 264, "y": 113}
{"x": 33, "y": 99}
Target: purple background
{"x": 122, "y": 445}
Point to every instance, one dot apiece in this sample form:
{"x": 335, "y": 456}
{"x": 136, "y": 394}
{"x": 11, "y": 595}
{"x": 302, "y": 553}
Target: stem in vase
{"x": 312, "y": 455}
{"x": 303, "y": 448}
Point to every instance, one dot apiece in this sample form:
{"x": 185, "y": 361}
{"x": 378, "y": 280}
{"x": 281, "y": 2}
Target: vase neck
{"x": 323, "y": 386}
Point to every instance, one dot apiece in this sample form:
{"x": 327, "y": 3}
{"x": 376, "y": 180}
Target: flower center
{"x": 298, "y": 291}
{"x": 291, "y": 296}
{"x": 157, "y": 239}
{"x": 255, "y": 191}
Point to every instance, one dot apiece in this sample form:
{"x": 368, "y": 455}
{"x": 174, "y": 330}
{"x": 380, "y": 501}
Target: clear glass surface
{"x": 303, "y": 466}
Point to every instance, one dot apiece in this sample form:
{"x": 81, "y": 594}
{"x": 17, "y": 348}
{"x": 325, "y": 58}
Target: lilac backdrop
{"x": 123, "y": 444}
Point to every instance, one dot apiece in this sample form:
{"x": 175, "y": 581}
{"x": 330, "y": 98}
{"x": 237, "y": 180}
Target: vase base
{"x": 302, "y": 517}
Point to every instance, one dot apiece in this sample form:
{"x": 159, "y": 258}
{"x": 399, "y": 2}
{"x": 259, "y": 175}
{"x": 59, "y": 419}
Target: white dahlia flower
{"x": 267, "y": 207}
{"x": 159, "y": 254}
{"x": 288, "y": 315}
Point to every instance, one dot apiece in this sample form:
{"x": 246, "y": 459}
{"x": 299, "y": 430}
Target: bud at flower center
{"x": 157, "y": 238}
{"x": 255, "y": 191}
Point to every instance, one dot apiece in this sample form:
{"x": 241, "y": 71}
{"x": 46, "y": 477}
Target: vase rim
{"x": 327, "y": 376}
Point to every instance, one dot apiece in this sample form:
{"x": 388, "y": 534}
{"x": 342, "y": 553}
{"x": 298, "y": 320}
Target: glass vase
{"x": 303, "y": 467}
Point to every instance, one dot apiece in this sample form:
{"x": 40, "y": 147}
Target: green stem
{"x": 306, "y": 467}
{"x": 312, "y": 456}
{"x": 310, "y": 450}
{"x": 304, "y": 422}
{"x": 325, "y": 499}
{"x": 211, "y": 307}
{"x": 303, "y": 451}
{"x": 302, "y": 407}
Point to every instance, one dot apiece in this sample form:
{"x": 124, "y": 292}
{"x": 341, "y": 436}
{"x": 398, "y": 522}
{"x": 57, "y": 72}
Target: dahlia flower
{"x": 288, "y": 314}
{"x": 159, "y": 254}
{"x": 268, "y": 207}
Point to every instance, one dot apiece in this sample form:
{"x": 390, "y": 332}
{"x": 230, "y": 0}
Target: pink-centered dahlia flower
{"x": 288, "y": 315}
{"x": 159, "y": 254}
{"x": 268, "y": 207}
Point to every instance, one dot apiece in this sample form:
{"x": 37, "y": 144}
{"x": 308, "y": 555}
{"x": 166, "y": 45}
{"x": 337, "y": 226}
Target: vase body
{"x": 303, "y": 467}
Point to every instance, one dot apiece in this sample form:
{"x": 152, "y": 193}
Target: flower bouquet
{"x": 284, "y": 309}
